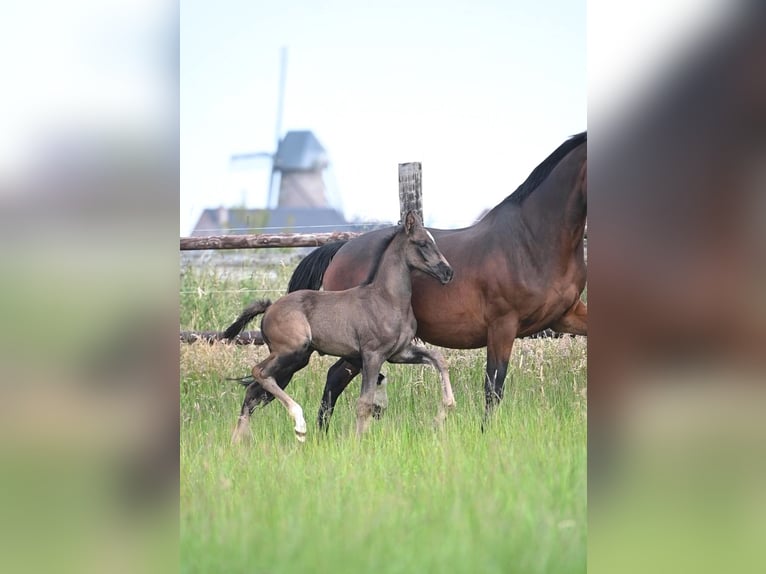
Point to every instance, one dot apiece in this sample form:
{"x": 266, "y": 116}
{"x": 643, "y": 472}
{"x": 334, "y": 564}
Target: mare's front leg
{"x": 371, "y": 363}
{"x": 574, "y": 321}
{"x": 500, "y": 336}
{"x": 417, "y": 355}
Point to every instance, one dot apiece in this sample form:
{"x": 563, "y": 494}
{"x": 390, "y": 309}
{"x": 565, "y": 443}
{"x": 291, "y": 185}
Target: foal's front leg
{"x": 338, "y": 378}
{"x": 415, "y": 354}
{"x": 365, "y": 406}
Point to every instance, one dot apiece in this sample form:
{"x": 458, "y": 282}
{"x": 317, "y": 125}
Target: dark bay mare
{"x": 519, "y": 270}
{"x": 366, "y": 325}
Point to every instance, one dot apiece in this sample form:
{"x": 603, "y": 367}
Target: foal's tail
{"x": 245, "y": 317}
{"x": 245, "y": 381}
{"x": 310, "y": 271}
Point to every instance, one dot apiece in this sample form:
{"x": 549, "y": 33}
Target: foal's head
{"x": 422, "y": 252}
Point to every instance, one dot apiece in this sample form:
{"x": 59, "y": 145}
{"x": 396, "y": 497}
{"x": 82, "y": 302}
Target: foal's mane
{"x": 543, "y": 170}
{"x": 377, "y": 257}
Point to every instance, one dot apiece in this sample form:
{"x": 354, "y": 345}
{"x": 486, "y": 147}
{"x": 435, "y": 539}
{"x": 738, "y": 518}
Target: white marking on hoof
{"x": 300, "y": 422}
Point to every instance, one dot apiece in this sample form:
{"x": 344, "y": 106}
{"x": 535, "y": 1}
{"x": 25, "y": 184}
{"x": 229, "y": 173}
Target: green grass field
{"x": 406, "y": 498}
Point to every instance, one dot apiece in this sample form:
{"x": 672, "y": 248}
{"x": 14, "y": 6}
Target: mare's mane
{"x": 543, "y": 170}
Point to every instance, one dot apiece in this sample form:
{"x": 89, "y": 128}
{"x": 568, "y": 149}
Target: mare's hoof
{"x": 380, "y": 398}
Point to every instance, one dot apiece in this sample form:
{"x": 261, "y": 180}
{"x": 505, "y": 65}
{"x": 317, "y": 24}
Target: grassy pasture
{"x": 406, "y": 498}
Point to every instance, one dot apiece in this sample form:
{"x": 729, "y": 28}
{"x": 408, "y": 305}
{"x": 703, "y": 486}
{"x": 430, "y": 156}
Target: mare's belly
{"x": 452, "y": 334}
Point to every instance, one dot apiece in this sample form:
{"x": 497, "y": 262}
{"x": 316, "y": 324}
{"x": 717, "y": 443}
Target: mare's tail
{"x": 245, "y": 317}
{"x": 310, "y": 271}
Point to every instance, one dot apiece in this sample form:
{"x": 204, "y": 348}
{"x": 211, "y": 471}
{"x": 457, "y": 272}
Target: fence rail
{"x": 265, "y": 240}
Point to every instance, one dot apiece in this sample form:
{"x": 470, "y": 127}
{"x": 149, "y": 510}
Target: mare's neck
{"x": 553, "y": 215}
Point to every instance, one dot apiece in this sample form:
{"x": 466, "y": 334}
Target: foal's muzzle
{"x": 445, "y": 273}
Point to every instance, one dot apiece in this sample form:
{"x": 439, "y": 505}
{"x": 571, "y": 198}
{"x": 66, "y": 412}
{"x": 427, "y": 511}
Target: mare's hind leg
{"x": 380, "y": 402}
{"x": 574, "y": 321}
{"x": 339, "y": 377}
{"x": 415, "y": 354}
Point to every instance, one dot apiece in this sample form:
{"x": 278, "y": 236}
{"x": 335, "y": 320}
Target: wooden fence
{"x": 262, "y": 240}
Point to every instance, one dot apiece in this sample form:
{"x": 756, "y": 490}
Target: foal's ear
{"x": 411, "y": 221}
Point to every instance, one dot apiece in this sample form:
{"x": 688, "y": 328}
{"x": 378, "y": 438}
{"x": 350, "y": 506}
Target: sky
{"x": 480, "y": 92}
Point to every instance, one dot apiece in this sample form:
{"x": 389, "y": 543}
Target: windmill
{"x": 298, "y": 163}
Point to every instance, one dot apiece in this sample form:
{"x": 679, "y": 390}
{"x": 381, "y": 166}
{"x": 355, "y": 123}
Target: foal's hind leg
{"x": 415, "y": 354}
{"x": 293, "y": 408}
{"x": 266, "y": 383}
{"x": 254, "y": 396}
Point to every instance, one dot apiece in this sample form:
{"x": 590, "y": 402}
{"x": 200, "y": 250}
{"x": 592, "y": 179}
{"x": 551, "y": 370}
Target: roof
{"x": 284, "y": 219}
{"x": 300, "y": 151}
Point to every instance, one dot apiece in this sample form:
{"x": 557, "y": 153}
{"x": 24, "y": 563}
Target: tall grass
{"x": 408, "y": 497}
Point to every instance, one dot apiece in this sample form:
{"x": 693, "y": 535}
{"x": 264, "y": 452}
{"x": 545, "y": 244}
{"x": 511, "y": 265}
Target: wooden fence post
{"x": 410, "y": 189}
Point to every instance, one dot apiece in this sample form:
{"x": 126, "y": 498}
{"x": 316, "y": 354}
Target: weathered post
{"x": 410, "y": 189}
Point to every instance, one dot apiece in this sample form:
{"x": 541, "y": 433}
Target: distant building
{"x": 223, "y": 220}
{"x": 300, "y": 161}
{"x": 302, "y": 206}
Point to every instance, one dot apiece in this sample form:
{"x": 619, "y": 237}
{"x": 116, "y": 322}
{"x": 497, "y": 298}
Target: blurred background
{"x": 118, "y": 117}
{"x": 677, "y": 286}
{"x": 89, "y": 286}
